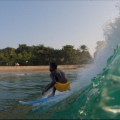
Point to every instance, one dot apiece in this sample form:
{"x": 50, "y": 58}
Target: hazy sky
{"x": 54, "y": 23}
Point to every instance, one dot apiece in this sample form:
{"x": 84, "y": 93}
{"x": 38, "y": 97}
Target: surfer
{"x": 59, "y": 80}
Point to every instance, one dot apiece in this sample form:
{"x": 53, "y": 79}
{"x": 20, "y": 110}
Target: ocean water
{"x": 95, "y": 91}
{"x": 16, "y": 86}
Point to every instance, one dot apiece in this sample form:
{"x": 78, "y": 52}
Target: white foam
{"x": 112, "y": 38}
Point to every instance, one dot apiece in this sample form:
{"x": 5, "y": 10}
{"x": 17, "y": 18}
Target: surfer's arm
{"x": 49, "y": 85}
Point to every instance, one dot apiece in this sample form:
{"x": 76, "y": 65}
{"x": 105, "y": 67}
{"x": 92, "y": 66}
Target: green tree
{"x": 69, "y": 53}
{"x": 41, "y": 55}
{"x": 83, "y": 48}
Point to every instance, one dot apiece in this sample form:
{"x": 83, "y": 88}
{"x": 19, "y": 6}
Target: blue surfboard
{"x": 39, "y": 100}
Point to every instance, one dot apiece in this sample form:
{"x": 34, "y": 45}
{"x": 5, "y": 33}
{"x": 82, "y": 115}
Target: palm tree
{"x": 83, "y": 48}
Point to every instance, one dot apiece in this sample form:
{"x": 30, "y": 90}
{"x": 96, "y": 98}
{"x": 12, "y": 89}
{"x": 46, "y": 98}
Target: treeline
{"x": 41, "y": 55}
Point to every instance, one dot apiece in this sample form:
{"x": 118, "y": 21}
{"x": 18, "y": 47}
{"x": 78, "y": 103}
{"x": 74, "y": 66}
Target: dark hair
{"x": 53, "y": 64}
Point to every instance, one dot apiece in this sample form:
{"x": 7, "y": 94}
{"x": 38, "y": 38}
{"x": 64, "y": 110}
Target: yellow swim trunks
{"x": 62, "y": 86}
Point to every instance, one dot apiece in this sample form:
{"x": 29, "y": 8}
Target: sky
{"x": 54, "y": 23}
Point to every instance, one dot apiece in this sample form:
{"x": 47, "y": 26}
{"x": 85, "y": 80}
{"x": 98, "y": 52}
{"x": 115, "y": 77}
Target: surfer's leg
{"x": 53, "y": 93}
{"x": 54, "y": 89}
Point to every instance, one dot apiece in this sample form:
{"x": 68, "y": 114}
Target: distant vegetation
{"x": 41, "y": 55}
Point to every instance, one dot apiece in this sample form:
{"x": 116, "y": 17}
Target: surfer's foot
{"x": 52, "y": 94}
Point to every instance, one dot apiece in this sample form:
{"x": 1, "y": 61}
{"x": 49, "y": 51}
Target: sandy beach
{"x": 37, "y": 68}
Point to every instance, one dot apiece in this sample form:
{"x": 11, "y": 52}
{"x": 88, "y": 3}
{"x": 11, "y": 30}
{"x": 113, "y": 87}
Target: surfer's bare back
{"x": 59, "y": 80}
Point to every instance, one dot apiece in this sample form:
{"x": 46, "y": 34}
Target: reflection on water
{"x": 17, "y": 86}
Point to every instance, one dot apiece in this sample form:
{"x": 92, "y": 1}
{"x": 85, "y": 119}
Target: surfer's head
{"x": 53, "y": 66}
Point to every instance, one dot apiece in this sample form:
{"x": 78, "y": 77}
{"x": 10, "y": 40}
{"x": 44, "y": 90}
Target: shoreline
{"x": 39, "y": 68}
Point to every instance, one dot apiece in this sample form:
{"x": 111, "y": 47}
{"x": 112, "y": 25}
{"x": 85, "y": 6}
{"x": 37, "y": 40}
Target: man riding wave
{"x": 59, "y": 80}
